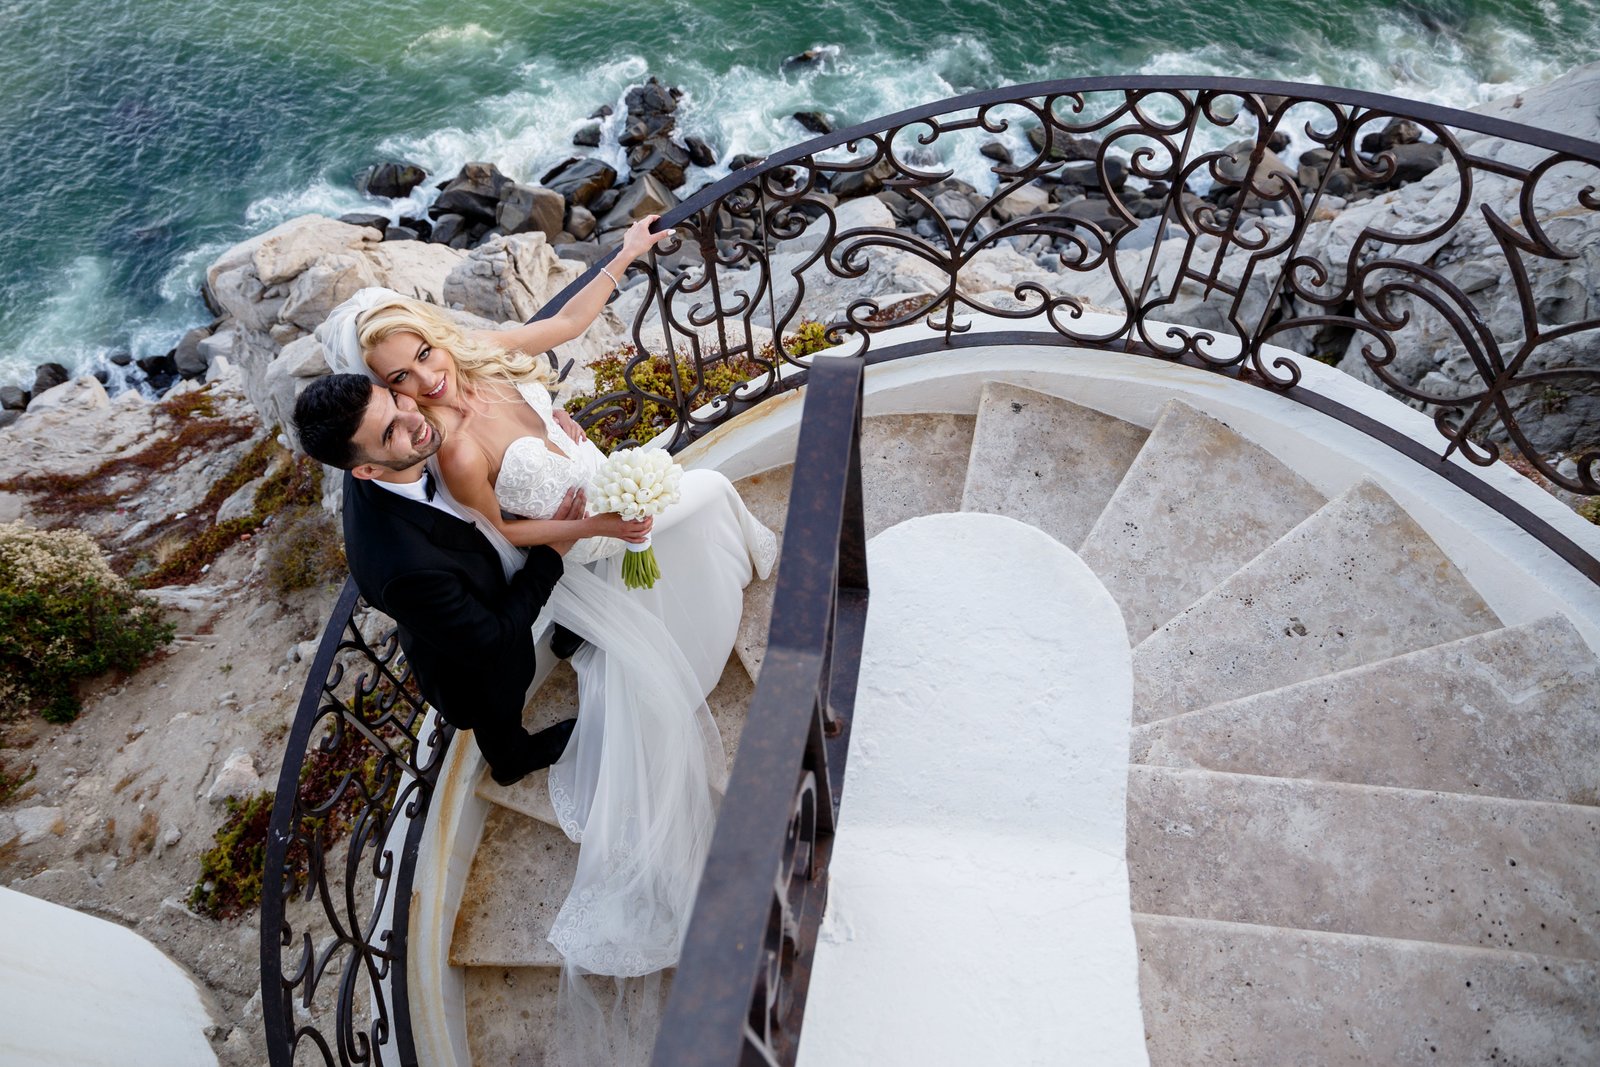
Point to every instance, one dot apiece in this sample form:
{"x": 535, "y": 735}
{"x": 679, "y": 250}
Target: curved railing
{"x": 1152, "y": 216}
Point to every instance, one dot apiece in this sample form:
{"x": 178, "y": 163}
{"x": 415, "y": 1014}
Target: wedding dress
{"x": 638, "y": 783}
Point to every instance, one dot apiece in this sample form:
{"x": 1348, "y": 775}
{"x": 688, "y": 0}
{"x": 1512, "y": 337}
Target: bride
{"x": 636, "y": 785}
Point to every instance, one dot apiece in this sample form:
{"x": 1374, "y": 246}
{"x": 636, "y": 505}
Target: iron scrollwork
{"x": 1158, "y": 216}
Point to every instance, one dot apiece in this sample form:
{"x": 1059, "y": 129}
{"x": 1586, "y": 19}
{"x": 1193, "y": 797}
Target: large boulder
{"x": 48, "y": 376}
{"x": 508, "y": 278}
{"x": 526, "y": 208}
{"x": 391, "y": 179}
{"x": 645, "y": 195}
{"x": 190, "y": 358}
{"x": 582, "y": 181}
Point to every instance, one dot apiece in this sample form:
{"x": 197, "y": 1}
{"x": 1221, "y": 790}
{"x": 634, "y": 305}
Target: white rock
{"x": 237, "y": 779}
{"x": 80, "y": 395}
{"x": 241, "y": 502}
{"x": 37, "y": 823}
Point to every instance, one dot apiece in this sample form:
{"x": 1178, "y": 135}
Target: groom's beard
{"x": 435, "y": 438}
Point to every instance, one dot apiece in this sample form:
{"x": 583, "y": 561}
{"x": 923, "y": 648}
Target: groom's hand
{"x": 572, "y": 507}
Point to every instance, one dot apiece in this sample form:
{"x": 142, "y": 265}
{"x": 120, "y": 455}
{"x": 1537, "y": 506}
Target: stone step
{"x": 520, "y": 875}
{"x": 558, "y": 699}
{"x": 1357, "y": 582}
{"x": 1046, "y": 461}
{"x": 1508, "y": 713}
{"x": 767, "y": 496}
{"x": 913, "y": 465}
{"x": 910, "y": 465}
{"x": 511, "y": 1011}
{"x": 1483, "y": 872}
{"x": 1198, "y": 503}
{"x": 1218, "y": 992}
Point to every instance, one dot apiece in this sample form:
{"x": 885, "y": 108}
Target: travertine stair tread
{"x": 912, "y": 465}
{"x": 1198, "y": 502}
{"x": 1220, "y": 992}
{"x": 1508, "y": 713}
{"x": 729, "y": 702}
{"x": 520, "y": 874}
{"x": 1426, "y": 866}
{"x": 511, "y": 1011}
{"x": 1046, "y": 461}
{"x": 767, "y": 496}
{"x": 1357, "y": 582}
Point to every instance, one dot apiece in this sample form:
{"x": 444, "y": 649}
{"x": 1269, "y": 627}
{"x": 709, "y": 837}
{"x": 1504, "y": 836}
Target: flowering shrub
{"x": 65, "y": 615}
{"x": 654, "y": 376}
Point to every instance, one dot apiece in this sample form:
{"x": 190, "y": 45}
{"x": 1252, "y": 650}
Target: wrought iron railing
{"x": 1152, "y": 216}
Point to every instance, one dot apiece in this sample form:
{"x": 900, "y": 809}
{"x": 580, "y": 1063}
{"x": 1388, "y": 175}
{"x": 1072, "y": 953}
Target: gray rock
{"x": 466, "y": 203}
{"x": 1414, "y": 161}
{"x": 14, "y": 398}
{"x": 865, "y": 182}
{"x": 237, "y": 779}
{"x": 525, "y": 208}
{"x": 1087, "y": 174}
{"x": 391, "y": 179}
{"x": 48, "y": 376}
{"x": 1064, "y": 145}
{"x": 8, "y": 416}
{"x": 646, "y": 195}
{"x": 651, "y": 98}
{"x": 813, "y": 121}
{"x": 586, "y": 252}
{"x": 190, "y": 359}
{"x": 120, "y": 359}
{"x": 362, "y": 218}
{"x": 588, "y": 136}
{"x": 580, "y": 222}
{"x": 996, "y": 151}
{"x": 37, "y": 823}
{"x": 700, "y": 153}
{"x": 660, "y": 157}
{"x": 1398, "y": 131}
{"x": 640, "y": 128}
{"x": 582, "y": 181}
{"x": 401, "y": 233}
{"x": 241, "y": 503}
{"x": 447, "y": 228}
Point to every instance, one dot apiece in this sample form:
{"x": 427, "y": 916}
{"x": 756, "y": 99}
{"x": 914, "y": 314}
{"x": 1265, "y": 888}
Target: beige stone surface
{"x": 511, "y": 1011}
{"x": 1508, "y": 713}
{"x": 1217, "y": 992}
{"x": 1198, "y": 503}
{"x": 520, "y": 875}
{"x": 1357, "y": 582}
{"x": 1488, "y": 873}
{"x": 511, "y": 1015}
{"x": 1046, "y": 461}
{"x": 767, "y": 496}
{"x": 912, "y": 465}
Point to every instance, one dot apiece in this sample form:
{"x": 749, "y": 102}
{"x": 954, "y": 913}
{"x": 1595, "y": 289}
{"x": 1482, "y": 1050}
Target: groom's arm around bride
{"x": 466, "y": 629}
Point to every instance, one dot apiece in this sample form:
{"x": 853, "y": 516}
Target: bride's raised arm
{"x": 585, "y": 305}
{"x": 465, "y": 469}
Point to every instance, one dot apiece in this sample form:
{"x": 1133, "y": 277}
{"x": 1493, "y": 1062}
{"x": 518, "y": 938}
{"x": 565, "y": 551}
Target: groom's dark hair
{"x": 327, "y": 415}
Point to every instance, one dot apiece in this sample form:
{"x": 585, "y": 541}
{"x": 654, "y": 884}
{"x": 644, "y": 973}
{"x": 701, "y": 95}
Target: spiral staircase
{"x": 1363, "y": 795}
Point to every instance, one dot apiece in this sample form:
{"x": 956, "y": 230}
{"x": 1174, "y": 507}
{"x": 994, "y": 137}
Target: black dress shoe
{"x": 563, "y": 642}
{"x": 543, "y": 749}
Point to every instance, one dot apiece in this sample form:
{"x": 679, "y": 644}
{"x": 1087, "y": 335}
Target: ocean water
{"x": 140, "y": 138}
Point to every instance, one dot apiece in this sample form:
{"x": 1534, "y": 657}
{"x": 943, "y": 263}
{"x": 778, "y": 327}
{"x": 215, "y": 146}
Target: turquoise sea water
{"x": 139, "y": 138}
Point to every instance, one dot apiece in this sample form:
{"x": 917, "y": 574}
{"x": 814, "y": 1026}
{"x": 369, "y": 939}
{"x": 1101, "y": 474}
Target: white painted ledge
{"x": 978, "y": 908}
{"x": 77, "y": 991}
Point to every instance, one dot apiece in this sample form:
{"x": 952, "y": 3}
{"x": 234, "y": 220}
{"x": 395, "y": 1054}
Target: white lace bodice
{"x": 535, "y": 476}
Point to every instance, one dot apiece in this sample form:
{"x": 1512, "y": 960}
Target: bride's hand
{"x": 610, "y": 524}
{"x": 639, "y": 240}
{"x": 568, "y": 424}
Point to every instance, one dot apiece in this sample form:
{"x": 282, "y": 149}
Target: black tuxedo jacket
{"x": 465, "y": 629}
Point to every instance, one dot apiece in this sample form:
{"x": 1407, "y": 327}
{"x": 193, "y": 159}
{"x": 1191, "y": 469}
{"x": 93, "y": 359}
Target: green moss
{"x": 654, "y": 376}
{"x": 1590, "y": 509}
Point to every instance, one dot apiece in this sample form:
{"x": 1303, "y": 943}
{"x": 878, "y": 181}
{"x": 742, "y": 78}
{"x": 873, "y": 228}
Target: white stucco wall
{"x": 77, "y": 991}
{"x": 978, "y": 906}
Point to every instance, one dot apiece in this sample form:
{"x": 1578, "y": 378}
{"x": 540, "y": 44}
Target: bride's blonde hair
{"x": 477, "y": 361}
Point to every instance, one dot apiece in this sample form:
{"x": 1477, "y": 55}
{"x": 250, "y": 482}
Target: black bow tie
{"x": 428, "y": 486}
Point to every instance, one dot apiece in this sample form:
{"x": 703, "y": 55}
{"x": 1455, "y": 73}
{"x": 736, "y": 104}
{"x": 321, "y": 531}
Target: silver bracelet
{"x": 614, "y": 283}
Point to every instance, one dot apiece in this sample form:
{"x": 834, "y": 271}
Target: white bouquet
{"x": 637, "y": 484}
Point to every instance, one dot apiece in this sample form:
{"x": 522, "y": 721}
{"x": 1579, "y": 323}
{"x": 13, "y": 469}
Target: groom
{"x": 465, "y": 628}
